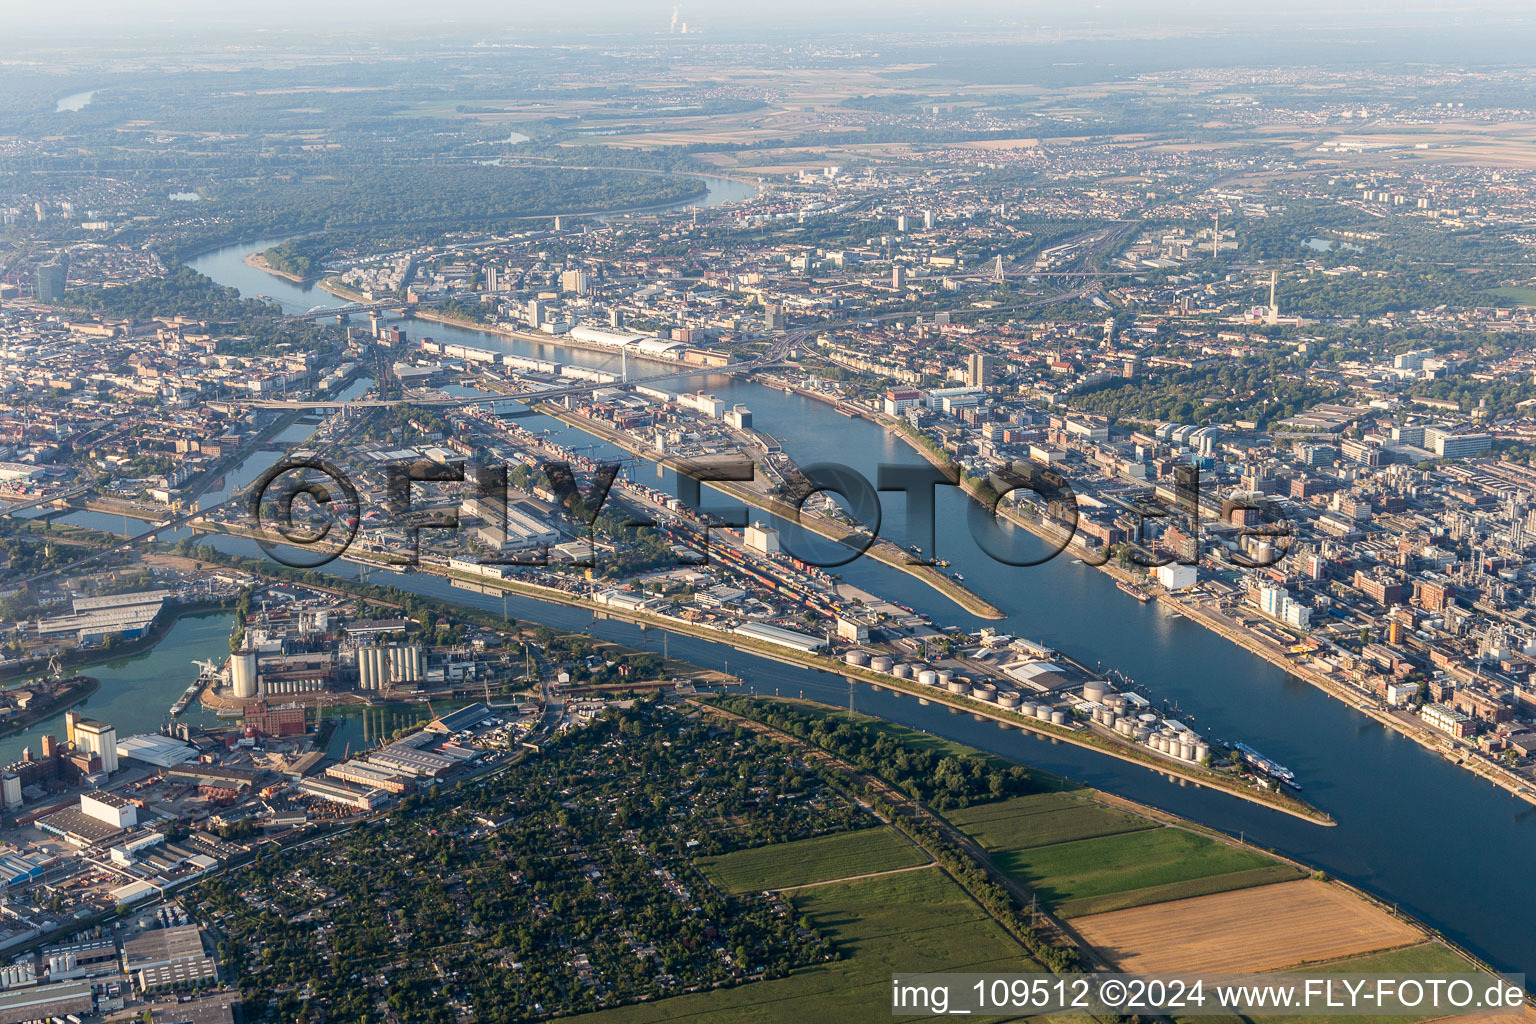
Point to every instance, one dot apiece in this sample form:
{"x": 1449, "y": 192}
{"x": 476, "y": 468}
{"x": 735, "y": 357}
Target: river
{"x": 1412, "y": 828}
{"x": 74, "y": 101}
{"x": 137, "y": 691}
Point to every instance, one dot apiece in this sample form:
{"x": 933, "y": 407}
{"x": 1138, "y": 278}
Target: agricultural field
{"x": 879, "y": 926}
{"x": 1424, "y": 958}
{"x": 1042, "y": 819}
{"x": 840, "y": 855}
{"x": 1257, "y": 929}
{"x": 1123, "y": 868}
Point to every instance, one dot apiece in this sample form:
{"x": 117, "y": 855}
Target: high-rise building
{"x": 927, "y": 220}
{"x": 898, "y": 278}
{"x": 901, "y": 224}
{"x": 574, "y": 282}
{"x": 535, "y": 313}
{"x": 773, "y": 316}
{"x": 100, "y": 739}
{"x": 50, "y": 282}
{"x": 978, "y": 369}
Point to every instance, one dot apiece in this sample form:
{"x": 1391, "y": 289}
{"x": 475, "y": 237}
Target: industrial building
{"x": 369, "y": 777}
{"x": 337, "y": 793}
{"x": 112, "y": 808}
{"x": 781, "y": 637}
{"x": 382, "y": 667}
{"x": 100, "y": 739}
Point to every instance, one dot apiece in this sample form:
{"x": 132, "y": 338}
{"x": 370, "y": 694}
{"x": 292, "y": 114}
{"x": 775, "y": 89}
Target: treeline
{"x": 1252, "y": 389}
{"x": 943, "y": 781}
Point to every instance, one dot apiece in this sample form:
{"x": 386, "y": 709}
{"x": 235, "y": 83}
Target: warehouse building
{"x": 781, "y": 637}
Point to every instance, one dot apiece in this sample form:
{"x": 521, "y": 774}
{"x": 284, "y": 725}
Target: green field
{"x": 1146, "y": 866}
{"x": 841, "y": 855}
{"x": 880, "y": 926}
{"x": 1043, "y": 819}
{"x": 1522, "y": 295}
{"x": 1204, "y": 886}
{"x": 1425, "y": 958}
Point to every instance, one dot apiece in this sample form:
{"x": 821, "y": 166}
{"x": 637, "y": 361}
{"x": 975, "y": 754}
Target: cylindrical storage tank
{"x": 856, "y": 658}
{"x": 1140, "y": 735}
{"x": 1095, "y": 689}
{"x": 1202, "y": 751}
{"x": 928, "y": 677}
{"x": 1187, "y": 750}
{"x": 1099, "y": 716}
{"x": 959, "y": 686}
{"x": 1027, "y": 708}
{"x": 1058, "y": 718}
{"x": 902, "y": 671}
{"x": 323, "y": 620}
{"x": 945, "y": 675}
{"x": 418, "y": 663}
{"x": 242, "y": 673}
{"x": 880, "y": 663}
{"x": 1148, "y": 720}
{"x": 1043, "y": 712}
{"x": 1160, "y": 742}
{"x": 1008, "y": 698}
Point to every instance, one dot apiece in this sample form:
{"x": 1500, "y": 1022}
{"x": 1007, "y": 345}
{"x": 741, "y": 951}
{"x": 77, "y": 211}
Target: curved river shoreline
{"x": 1392, "y": 799}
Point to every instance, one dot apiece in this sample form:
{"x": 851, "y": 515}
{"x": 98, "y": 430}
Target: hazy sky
{"x": 707, "y": 16}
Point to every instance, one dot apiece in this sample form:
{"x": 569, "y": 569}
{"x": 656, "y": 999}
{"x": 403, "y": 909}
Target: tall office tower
{"x": 50, "y": 282}
{"x": 978, "y": 369}
{"x": 898, "y": 278}
{"x": 901, "y": 224}
{"x": 927, "y": 220}
{"x": 535, "y": 313}
{"x": 100, "y": 739}
{"x": 574, "y": 281}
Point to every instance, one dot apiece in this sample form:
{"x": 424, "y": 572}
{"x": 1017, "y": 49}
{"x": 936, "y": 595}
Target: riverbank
{"x": 258, "y": 261}
{"x": 64, "y": 695}
{"x": 1445, "y": 746}
{"x": 77, "y": 658}
{"x": 881, "y": 551}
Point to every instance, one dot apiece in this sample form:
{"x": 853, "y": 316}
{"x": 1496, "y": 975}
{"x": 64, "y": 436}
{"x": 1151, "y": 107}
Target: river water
{"x": 137, "y": 692}
{"x": 1412, "y": 828}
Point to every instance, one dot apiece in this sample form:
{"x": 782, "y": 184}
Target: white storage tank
{"x": 928, "y": 677}
{"x": 242, "y": 673}
{"x": 1058, "y": 718}
{"x": 983, "y": 691}
{"x": 1009, "y": 698}
{"x": 880, "y": 663}
{"x": 1027, "y": 708}
{"x": 1095, "y": 689}
{"x": 902, "y": 671}
{"x": 856, "y": 658}
{"x": 1202, "y": 751}
{"x": 1140, "y": 735}
{"x": 945, "y": 675}
{"x": 1043, "y": 712}
{"x": 959, "y": 686}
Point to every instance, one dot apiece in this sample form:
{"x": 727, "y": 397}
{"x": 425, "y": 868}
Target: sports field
{"x": 881, "y": 926}
{"x": 1257, "y": 929}
{"x": 842, "y": 855}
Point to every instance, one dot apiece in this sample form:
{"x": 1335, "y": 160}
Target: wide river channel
{"x": 1412, "y": 828}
